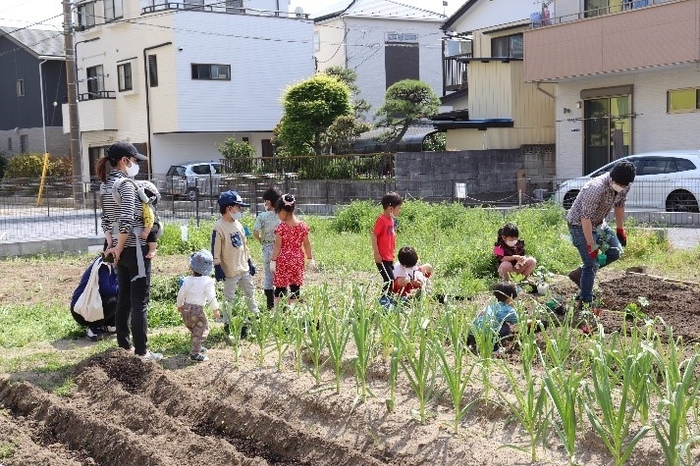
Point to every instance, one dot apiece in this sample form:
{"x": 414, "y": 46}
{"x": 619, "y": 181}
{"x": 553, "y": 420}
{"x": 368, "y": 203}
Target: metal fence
{"x": 57, "y": 214}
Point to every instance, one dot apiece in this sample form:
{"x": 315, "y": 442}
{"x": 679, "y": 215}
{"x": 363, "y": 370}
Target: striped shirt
{"x": 125, "y": 217}
{"x": 595, "y": 201}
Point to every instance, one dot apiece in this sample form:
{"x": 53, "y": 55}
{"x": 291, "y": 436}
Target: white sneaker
{"x": 150, "y": 356}
{"x": 111, "y": 329}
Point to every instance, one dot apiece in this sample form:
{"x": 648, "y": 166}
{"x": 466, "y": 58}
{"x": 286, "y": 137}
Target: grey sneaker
{"x": 198, "y": 357}
{"x": 150, "y": 356}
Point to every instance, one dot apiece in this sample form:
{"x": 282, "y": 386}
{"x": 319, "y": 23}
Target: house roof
{"x": 384, "y": 9}
{"x": 38, "y": 42}
{"x": 458, "y": 14}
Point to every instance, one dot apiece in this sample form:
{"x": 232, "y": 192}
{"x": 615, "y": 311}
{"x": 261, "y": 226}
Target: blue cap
{"x": 228, "y": 198}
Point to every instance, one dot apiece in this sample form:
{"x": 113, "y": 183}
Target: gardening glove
{"x": 593, "y": 252}
{"x": 251, "y": 267}
{"x": 273, "y": 266}
{"x": 219, "y": 273}
{"x": 622, "y": 236}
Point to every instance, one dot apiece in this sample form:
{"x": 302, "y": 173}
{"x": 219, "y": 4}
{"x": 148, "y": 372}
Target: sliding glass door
{"x": 607, "y": 130}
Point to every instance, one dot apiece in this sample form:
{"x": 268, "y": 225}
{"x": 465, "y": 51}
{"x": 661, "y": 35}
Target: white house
{"x": 383, "y": 41}
{"x": 176, "y": 78}
{"x": 627, "y": 77}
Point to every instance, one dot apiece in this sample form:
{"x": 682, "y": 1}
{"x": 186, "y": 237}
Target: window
{"x": 219, "y": 72}
{"x": 114, "y": 9}
{"x": 95, "y": 82}
{"x": 9, "y": 144}
{"x": 683, "y": 100}
{"x": 125, "y": 77}
{"x": 507, "y": 46}
{"x": 401, "y": 61}
{"x": 86, "y": 15}
{"x": 317, "y": 41}
{"x": 24, "y": 143}
{"x": 153, "y": 70}
{"x": 455, "y": 47}
{"x": 20, "y": 88}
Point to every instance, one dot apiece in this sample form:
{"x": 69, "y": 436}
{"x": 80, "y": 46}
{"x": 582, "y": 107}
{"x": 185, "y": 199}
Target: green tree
{"x": 239, "y": 153}
{"x": 344, "y": 131}
{"x": 310, "y": 107}
{"x": 404, "y": 103}
{"x": 349, "y": 77}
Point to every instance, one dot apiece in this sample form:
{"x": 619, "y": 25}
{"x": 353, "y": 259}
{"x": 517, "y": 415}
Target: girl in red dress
{"x": 291, "y": 246}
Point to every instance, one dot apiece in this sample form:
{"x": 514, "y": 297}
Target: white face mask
{"x": 510, "y": 244}
{"x": 237, "y": 215}
{"x": 616, "y": 187}
{"x": 132, "y": 170}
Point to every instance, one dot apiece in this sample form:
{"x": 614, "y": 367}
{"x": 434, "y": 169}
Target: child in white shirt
{"x": 409, "y": 277}
{"x": 196, "y": 291}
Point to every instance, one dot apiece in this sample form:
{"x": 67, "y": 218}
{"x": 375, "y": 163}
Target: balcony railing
{"x": 218, "y": 7}
{"x": 94, "y": 95}
{"x": 454, "y": 72}
{"x": 537, "y": 20}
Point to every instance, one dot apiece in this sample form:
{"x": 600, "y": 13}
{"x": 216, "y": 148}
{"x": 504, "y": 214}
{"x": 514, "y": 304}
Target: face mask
{"x": 133, "y": 170}
{"x": 237, "y": 215}
{"x": 510, "y": 244}
{"x": 616, "y": 187}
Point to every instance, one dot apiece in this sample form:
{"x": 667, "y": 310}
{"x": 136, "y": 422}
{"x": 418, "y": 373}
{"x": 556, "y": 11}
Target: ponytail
{"x": 101, "y": 169}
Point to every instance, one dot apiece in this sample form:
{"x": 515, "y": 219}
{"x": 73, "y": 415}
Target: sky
{"x": 19, "y": 13}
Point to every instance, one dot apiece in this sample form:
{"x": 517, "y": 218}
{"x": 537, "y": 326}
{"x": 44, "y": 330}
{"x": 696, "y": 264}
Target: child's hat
{"x": 228, "y": 198}
{"x": 202, "y": 262}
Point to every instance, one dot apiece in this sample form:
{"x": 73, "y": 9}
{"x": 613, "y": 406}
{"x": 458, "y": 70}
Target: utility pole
{"x": 71, "y": 81}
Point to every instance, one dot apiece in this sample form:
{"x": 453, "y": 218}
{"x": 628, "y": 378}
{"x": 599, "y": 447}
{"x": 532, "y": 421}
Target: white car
{"x": 666, "y": 180}
{"x": 194, "y": 179}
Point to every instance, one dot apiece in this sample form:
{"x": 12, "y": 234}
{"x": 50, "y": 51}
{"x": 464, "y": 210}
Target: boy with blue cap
{"x": 232, "y": 262}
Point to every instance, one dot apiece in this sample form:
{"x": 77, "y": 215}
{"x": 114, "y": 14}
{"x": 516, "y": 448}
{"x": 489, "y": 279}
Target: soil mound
{"x": 125, "y": 411}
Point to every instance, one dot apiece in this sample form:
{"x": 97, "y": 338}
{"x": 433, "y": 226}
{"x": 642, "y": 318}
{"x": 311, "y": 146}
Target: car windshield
{"x": 176, "y": 170}
{"x": 608, "y": 168}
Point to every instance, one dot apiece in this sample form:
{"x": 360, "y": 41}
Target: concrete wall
{"x": 489, "y": 174}
{"x": 57, "y": 143}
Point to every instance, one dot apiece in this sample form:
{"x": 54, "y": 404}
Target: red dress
{"x": 290, "y": 262}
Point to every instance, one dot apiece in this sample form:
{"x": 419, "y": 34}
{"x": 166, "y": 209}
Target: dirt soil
{"x": 123, "y": 411}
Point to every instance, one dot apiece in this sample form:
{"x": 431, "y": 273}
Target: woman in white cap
{"x": 122, "y": 224}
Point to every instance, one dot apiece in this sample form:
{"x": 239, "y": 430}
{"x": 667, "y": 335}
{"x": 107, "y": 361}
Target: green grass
{"x": 23, "y": 324}
{"x": 6, "y": 450}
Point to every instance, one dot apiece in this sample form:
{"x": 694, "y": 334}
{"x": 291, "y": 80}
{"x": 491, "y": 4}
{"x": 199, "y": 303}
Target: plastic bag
{"x": 89, "y": 303}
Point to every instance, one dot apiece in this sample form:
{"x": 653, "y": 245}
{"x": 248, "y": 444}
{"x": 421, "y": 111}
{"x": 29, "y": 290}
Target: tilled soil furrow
{"x": 172, "y": 437}
{"x": 80, "y": 430}
{"x": 251, "y": 431}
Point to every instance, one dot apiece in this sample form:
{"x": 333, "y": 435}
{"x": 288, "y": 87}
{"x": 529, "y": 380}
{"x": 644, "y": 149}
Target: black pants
{"x": 386, "y": 269}
{"x": 132, "y": 300}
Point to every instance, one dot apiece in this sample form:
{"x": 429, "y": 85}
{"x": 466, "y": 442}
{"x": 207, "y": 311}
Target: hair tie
{"x": 288, "y": 200}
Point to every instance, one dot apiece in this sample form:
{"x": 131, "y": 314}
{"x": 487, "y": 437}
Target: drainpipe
{"x": 148, "y": 107}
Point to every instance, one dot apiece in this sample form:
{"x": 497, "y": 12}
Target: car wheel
{"x": 192, "y": 194}
{"x": 569, "y": 199}
{"x": 681, "y": 201}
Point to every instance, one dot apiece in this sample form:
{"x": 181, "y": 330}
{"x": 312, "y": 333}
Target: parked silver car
{"x": 194, "y": 179}
{"x": 666, "y": 180}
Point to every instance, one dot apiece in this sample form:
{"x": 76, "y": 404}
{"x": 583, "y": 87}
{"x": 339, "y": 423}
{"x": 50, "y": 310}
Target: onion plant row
{"x": 557, "y": 383}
